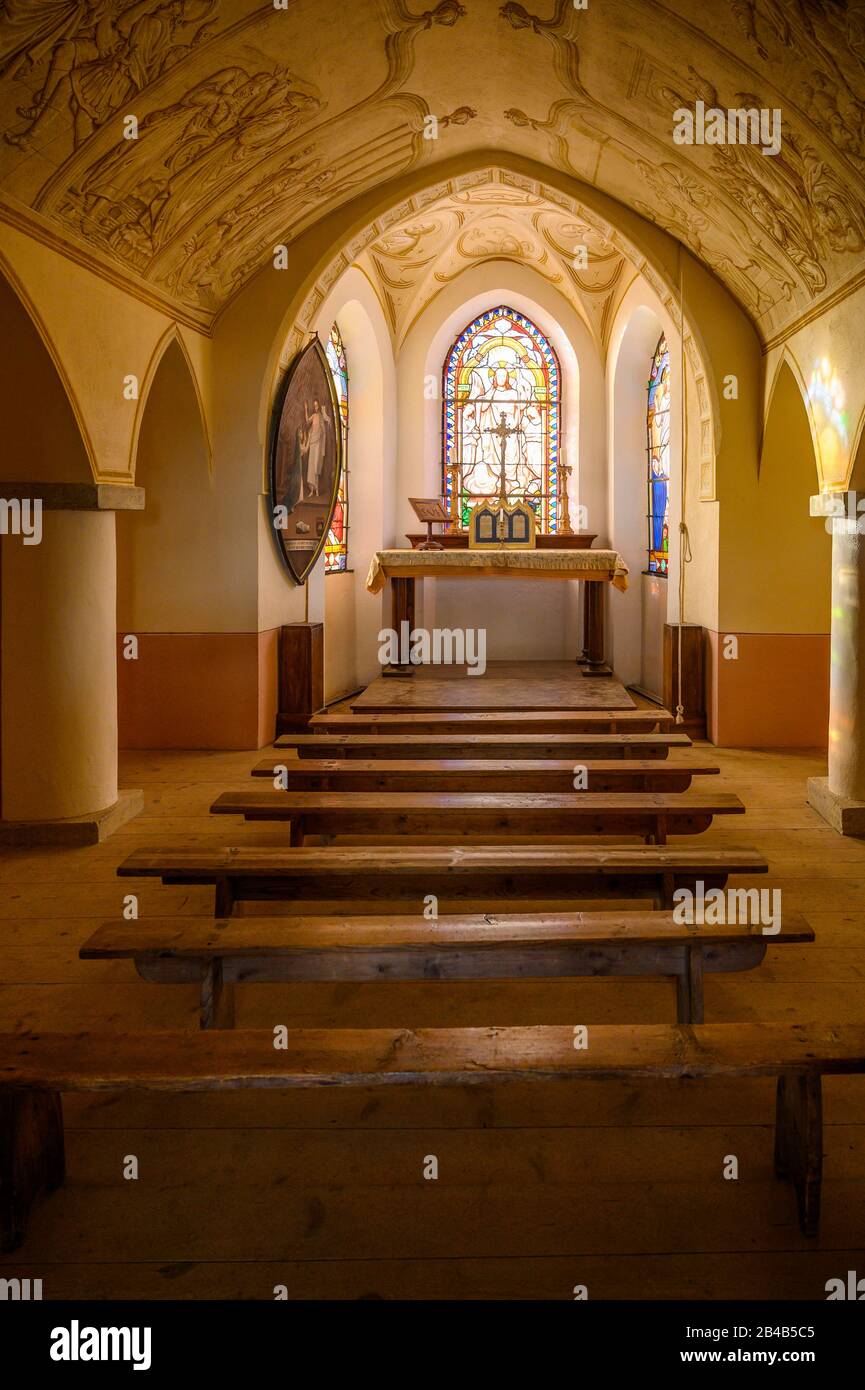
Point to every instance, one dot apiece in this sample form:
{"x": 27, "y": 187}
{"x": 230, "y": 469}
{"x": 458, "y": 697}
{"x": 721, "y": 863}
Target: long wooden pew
{"x": 37, "y": 1068}
{"x": 568, "y": 721}
{"x": 492, "y": 873}
{"x": 502, "y": 746}
{"x": 479, "y": 774}
{"x": 651, "y": 815}
{"x": 217, "y": 955}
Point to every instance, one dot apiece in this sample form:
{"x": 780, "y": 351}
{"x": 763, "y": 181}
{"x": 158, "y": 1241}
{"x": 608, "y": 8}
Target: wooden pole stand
{"x": 32, "y": 1158}
{"x": 799, "y": 1143}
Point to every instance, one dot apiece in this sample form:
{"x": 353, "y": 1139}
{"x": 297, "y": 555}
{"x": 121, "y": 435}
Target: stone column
{"x": 58, "y": 664}
{"x": 840, "y": 797}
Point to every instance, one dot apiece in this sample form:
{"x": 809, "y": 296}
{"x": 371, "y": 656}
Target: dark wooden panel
{"x": 301, "y": 675}
{"x": 693, "y": 687}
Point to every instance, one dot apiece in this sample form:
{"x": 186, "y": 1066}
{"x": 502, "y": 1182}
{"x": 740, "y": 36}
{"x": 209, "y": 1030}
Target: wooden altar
{"x": 593, "y": 568}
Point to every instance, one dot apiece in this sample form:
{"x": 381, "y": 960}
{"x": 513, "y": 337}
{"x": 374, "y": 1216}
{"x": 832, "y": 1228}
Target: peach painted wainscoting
{"x": 774, "y": 694}
{"x": 198, "y": 690}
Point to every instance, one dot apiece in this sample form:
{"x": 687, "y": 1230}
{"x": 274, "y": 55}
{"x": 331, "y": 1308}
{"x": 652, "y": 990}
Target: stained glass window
{"x": 501, "y": 396}
{"x": 658, "y": 427}
{"x": 336, "y": 545}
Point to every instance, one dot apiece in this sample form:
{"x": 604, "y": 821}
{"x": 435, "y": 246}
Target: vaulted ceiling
{"x": 253, "y": 121}
{"x": 485, "y": 217}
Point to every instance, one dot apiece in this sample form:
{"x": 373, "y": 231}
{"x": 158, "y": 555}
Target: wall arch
{"x": 352, "y": 617}
{"x": 185, "y": 590}
{"x": 45, "y": 439}
{"x": 171, "y": 336}
{"x": 857, "y": 468}
{"x": 653, "y": 253}
{"x": 636, "y": 613}
{"x": 537, "y": 622}
{"x": 788, "y": 361}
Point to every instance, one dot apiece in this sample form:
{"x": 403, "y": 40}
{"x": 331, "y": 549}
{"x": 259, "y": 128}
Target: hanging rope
{"x": 684, "y": 536}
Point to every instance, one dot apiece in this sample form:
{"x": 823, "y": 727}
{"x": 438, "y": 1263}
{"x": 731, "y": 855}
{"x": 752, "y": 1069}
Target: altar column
{"x": 840, "y": 797}
{"x": 59, "y": 668}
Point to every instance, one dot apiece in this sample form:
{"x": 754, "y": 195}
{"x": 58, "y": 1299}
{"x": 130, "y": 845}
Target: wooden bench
{"x": 568, "y": 721}
{"x": 217, "y": 955}
{"x": 651, "y": 815}
{"x": 494, "y": 873}
{"x": 35, "y": 1069}
{"x": 576, "y": 747}
{"x": 480, "y": 774}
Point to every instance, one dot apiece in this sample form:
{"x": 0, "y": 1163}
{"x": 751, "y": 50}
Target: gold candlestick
{"x": 565, "y": 471}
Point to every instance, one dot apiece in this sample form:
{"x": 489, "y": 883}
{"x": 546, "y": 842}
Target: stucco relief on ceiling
{"x": 253, "y": 122}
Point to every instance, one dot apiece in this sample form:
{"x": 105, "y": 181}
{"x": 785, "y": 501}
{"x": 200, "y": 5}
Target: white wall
{"x": 539, "y": 618}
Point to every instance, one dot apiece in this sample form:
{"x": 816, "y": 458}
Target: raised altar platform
{"x": 505, "y": 685}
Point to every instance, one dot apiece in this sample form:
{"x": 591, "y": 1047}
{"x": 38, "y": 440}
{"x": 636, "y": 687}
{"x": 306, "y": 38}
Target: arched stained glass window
{"x": 658, "y": 449}
{"x": 336, "y": 545}
{"x": 501, "y": 393}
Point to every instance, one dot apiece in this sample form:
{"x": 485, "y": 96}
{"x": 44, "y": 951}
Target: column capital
{"x": 76, "y": 497}
{"x": 843, "y": 512}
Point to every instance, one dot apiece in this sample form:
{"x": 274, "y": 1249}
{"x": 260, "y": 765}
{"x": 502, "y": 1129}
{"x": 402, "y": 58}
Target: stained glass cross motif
{"x": 336, "y": 545}
{"x": 501, "y": 371}
{"x": 658, "y": 450}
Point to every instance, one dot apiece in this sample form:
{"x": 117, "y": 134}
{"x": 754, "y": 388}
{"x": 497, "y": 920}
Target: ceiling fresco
{"x": 251, "y": 122}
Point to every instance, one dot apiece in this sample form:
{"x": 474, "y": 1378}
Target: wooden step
{"x": 495, "y": 873}
{"x": 649, "y": 814}
{"x": 36, "y": 1068}
{"x": 575, "y": 746}
{"x": 625, "y": 721}
{"x": 481, "y": 774}
{"x": 216, "y": 955}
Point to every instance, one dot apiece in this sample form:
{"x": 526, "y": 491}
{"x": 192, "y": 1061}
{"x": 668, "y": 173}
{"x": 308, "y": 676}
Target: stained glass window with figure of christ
{"x": 658, "y": 449}
{"x": 336, "y": 545}
{"x": 502, "y": 372}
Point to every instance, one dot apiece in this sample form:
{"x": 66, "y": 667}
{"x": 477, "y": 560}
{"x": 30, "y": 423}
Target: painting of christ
{"x": 305, "y": 460}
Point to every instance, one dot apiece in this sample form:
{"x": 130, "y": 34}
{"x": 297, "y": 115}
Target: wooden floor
{"x": 512, "y": 685}
{"x": 616, "y": 1186}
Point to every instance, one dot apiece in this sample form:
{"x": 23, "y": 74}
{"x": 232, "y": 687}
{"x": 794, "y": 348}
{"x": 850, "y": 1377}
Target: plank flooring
{"x": 618, "y": 1185}
{"x": 512, "y": 685}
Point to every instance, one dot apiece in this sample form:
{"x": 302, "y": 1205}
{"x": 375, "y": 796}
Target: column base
{"x": 845, "y": 816}
{"x": 89, "y": 829}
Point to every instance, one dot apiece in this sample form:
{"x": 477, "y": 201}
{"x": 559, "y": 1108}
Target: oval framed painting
{"x": 305, "y": 460}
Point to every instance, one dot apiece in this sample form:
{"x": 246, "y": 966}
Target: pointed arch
{"x": 336, "y": 545}
{"x": 788, "y": 360}
{"x": 502, "y": 367}
{"x": 658, "y": 259}
{"x": 658, "y": 457}
{"x": 171, "y": 335}
{"x": 43, "y": 417}
{"x": 856, "y": 478}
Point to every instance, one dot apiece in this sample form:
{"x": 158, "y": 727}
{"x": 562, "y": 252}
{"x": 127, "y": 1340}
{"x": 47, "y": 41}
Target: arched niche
{"x": 790, "y": 582}
{"x": 857, "y": 466}
{"x": 352, "y": 617}
{"x": 774, "y": 692}
{"x": 638, "y": 616}
{"x": 41, "y": 437}
{"x": 185, "y": 589}
{"x": 538, "y": 620}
